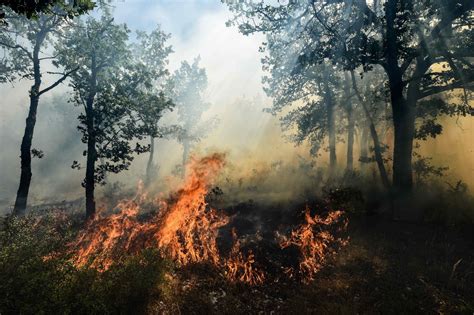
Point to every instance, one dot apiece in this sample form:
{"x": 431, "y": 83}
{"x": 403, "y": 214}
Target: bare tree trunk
{"x": 404, "y": 131}
{"x": 25, "y": 156}
{"x": 403, "y": 115}
{"x": 90, "y": 172}
{"x": 350, "y": 140}
{"x": 26, "y": 142}
{"x": 150, "y": 164}
{"x": 364, "y": 148}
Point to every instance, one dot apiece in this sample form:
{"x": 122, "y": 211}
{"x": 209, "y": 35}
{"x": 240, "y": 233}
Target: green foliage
{"x": 189, "y": 84}
{"x": 406, "y": 40}
{"x": 25, "y": 41}
{"x": 150, "y": 57}
{"x": 423, "y": 169}
{"x": 32, "y": 9}
{"x": 37, "y": 276}
{"x": 449, "y": 204}
{"x": 121, "y": 104}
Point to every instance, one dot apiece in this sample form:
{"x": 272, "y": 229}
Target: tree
{"x": 33, "y": 9}
{"x": 151, "y": 53}
{"x": 407, "y": 38}
{"x": 315, "y": 119}
{"x": 109, "y": 87}
{"x": 292, "y": 80}
{"x": 349, "y": 108}
{"x": 26, "y": 42}
{"x": 190, "y": 82}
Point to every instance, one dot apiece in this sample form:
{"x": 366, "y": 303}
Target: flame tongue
{"x": 313, "y": 242}
{"x": 187, "y": 231}
{"x": 105, "y": 238}
{"x": 240, "y": 268}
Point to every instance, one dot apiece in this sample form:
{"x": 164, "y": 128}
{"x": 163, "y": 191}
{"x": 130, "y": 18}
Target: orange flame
{"x": 313, "y": 242}
{"x": 186, "y": 231}
{"x": 189, "y": 230}
{"x": 107, "y": 238}
{"x": 240, "y": 268}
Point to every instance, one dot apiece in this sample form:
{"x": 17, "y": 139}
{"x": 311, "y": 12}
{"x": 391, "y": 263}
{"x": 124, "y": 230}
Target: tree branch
{"x": 52, "y": 86}
{"x": 443, "y": 88}
{"x": 17, "y": 46}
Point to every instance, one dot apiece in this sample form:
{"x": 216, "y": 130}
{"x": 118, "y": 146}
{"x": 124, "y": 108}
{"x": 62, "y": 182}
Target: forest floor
{"x": 387, "y": 267}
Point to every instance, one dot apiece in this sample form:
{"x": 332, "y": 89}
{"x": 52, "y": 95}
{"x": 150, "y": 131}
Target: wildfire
{"x": 109, "y": 237}
{"x": 313, "y": 242}
{"x": 189, "y": 230}
{"x": 186, "y": 229}
{"x": 240, "y": 268}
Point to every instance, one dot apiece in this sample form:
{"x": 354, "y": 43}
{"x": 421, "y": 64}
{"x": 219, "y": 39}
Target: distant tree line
{"x": 335, "y": 66}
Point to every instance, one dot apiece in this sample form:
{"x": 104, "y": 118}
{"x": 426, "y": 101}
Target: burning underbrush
{"x": 187, "y": 229}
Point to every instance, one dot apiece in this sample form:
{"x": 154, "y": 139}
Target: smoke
{"x": 263, "y": 165}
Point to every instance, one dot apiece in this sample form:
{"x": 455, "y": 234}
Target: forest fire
{"x": 256, "y": 131}
{"x": 313, "y": 242}
{"x": 189, "y": 229}
{"x": 109, "y": 237}
{"x": 186, "y": 230}
{"x": 240, "y": 268}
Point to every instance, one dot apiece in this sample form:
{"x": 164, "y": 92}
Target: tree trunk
{"x": 26, "y": 142}
{"x": 186, "y": 148}
{"x": 350, "y": 140}
{"x": 364, "y": 148}
{"x": 90, "y": 172}
{"x": 350, "y": 124}
{"x": 403, "y": 112}
{"x": 25, "y": 156}
{"x": 89, "y": 181}
{"x": 331, "y": 124}
{"x": 374, "y": 135}
{"x": 150, "y": 164}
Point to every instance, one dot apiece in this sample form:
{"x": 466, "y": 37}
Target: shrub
{"x": 37, "y": 276}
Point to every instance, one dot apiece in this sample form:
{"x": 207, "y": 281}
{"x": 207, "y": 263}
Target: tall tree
{"x": 109, "y": 87}
{"x": 371, "y": 94}
{"x": 190, "y": 82}
{"x": 349, "y": 108}
{"x": 27, "y": 42}
{"x": 151, "y": 51}
{"x": 407, "y": 38}
{"x": 314, "y": 89}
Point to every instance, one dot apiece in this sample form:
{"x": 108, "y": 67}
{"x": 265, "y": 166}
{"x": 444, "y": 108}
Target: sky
{"x": 198, "y": 28}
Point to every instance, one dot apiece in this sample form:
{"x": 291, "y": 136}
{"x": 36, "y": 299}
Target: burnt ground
{"x": 387, "y": 267}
